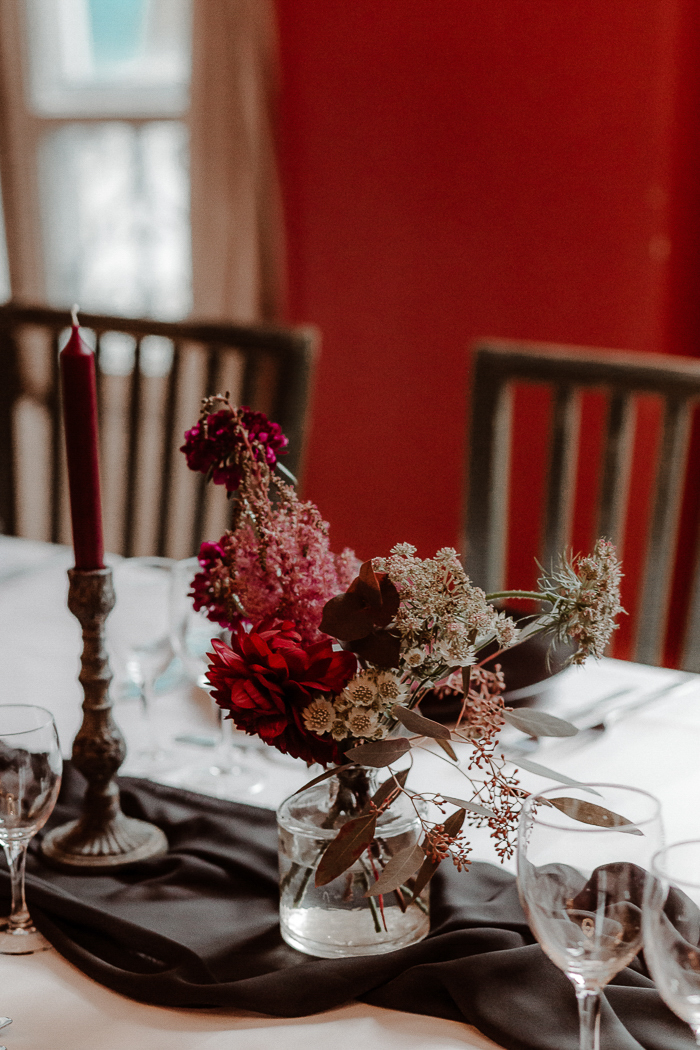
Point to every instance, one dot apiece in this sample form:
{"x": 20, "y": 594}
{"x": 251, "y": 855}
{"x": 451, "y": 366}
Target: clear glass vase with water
{"x": 339, "y": 919}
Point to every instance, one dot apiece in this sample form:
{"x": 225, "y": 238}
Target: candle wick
{"x": 74, "y": 315}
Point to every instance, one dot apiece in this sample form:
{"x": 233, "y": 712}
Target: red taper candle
{"x": 80, "y": 427}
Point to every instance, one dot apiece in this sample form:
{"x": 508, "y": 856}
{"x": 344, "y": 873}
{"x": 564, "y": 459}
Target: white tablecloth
{"x": 54, "y": 1006}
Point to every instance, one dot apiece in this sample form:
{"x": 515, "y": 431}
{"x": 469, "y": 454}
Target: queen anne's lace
{"x": 586, "y": 599}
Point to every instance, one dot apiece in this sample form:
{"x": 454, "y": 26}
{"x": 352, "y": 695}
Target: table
{"x": 54, "y": 1005}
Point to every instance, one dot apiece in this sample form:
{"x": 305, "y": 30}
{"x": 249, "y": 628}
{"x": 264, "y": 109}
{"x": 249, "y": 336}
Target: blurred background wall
{"x": 464, "y": 169}
{"x": 445, "y": 171}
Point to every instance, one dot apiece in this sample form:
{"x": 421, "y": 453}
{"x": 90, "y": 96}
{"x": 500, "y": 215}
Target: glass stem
{"x": 151, "y": 747}
{"x": 696, "y": 1032}
{"x": 16, "y": 853}
{"x": 589, "y": 1018}
{"x": 226, "y": 761}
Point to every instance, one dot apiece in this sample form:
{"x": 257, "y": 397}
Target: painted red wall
{"x": 460, "y": 169}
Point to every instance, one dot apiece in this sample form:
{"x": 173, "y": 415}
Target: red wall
{"x": 469, "y": 168}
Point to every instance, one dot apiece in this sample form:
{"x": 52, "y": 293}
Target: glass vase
{"x": 337, "y": 920}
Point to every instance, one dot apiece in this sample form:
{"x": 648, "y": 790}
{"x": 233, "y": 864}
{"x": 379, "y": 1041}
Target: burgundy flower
{"x": 209, "y": 587}
{"x": 360, "y": 618}
{"x": 213, "y": 444}
{"x": 267, "y": 677}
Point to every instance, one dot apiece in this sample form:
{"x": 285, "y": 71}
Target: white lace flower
{"x": 390, "y": 688}
{"x": 361, "y": 691}
{"x": 455, "y": 651}
{"x": 414, "y": 657}
{"x": 339, "y": 730}
{"x": 319, "y": 716}
{"x": 361, "y": 721}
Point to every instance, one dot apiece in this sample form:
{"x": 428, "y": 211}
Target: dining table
{"x": 640, "y": 726}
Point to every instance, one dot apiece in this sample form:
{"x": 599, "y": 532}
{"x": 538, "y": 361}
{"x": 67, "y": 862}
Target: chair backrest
{"x": 498, "y": 367}
{"x": 151, "y": 376}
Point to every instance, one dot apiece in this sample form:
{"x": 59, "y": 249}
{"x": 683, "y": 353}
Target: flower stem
{"x": 535, "y": 596}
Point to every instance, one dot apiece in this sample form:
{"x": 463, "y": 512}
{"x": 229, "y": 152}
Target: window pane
{"x": 115, "y": 218}
{"x": 4, "y": 270}
{"x": 109, "y": 57}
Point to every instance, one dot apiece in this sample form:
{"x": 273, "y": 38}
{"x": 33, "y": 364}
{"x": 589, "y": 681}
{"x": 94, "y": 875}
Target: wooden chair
{"x": 498, "y": 365}
{"x": 151, "y": 376}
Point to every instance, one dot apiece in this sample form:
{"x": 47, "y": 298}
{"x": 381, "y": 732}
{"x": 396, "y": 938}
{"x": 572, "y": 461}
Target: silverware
{"x": 595, "y": 718}
{"x": 604, "y": 713}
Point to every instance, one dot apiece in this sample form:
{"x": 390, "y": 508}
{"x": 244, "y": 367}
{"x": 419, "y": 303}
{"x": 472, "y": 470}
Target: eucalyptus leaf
{"x": 454, "y": 822}
{"x": 473, "y": 806}
{"x": 539, "y": 723}
{"x": 425, "y": 874}
{"x": 324, "y": 776}
{"x": 287, "y": 473}
{"x": 447, "y": 748}
{"x": 466, "y": 679}
{"x": 550, "y": 774}
{"x": 389, "y": 787}
{"x": 398, "y": 868}
{"x": 350, "y": 842}
{"x": 589, "y": 813}
{"x": 417, "y": 723}
{"x": 379, "y": 753}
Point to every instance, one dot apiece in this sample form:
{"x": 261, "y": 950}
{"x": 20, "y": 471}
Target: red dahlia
{"x": 267, "y": 677}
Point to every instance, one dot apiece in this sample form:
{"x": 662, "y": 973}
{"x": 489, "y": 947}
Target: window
{"x": 97, "y": 180}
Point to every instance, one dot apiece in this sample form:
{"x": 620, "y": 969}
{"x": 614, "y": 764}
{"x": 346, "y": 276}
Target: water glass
{"x": 30, "y": 777}
{"x": 581, "y": 884}
{"x": 671, "y": 924}
{"x": 138, "y": 632}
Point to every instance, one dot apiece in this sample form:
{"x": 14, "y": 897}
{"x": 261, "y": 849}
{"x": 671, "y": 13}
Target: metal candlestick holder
{"x": 103, "y": 837}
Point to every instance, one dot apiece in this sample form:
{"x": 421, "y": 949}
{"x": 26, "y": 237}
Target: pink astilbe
{"x": 281, "y": 566}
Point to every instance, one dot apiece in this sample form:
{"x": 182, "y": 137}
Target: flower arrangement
{"x": 329, "y": 659}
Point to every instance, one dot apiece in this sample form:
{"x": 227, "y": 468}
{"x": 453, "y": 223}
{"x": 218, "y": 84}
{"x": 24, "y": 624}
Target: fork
{"x": 605, "y": 716}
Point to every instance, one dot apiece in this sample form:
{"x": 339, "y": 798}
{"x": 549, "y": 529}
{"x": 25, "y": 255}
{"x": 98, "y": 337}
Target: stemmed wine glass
{"x": 581, "y": 884}
{"x": 138, "y": 631}
{"x": 30, "y": 776}
{"x": 227, "y": 775}
{"x": 671, "y": 925}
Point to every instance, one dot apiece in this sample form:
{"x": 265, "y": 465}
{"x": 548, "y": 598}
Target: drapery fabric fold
{"x": 237, "y": 241}
{"x": 199, "y": 927}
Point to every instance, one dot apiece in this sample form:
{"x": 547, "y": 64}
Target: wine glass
{"x": 581, "y": 884}
{"x": 671, "y": 925}
{"x": 227, "y": 775}
{"x": 138, "y": 631}
{"x": 30, "y": 776}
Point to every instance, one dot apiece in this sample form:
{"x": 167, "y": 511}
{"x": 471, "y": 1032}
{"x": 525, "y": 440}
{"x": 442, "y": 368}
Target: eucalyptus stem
{"x": 536, "y": 596}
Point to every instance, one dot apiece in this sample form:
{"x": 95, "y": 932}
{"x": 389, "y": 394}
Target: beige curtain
{"x": 237, "y": 248}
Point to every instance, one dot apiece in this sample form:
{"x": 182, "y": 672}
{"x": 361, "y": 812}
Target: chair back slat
{"x": 149, "y": 391}
{"x": 617, "y": 467}
{"x": 10, "y": 388}
{"x": 561, "y": 476}
{"x": 56, "y": 442}
{"x": 489, "y": 475}
{"x": 690, "y": 659}
{"x": 670, "y": 473}
{"x": 498, "y": 367}
{"x": 132, "y": 454}
{"x": 169, "y": 438}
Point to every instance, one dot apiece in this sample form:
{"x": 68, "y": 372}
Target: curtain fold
{"x": 237, "y": 241}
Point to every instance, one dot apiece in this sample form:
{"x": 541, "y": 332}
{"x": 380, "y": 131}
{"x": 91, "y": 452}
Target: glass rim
{"x": 24, "y": 707}
{"x": 594, "y": 829}
{"x": 667, "y": 876}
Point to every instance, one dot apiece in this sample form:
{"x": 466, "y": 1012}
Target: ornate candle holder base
{"x": 123, "y": 841}
{"x": 103, "y": 837}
